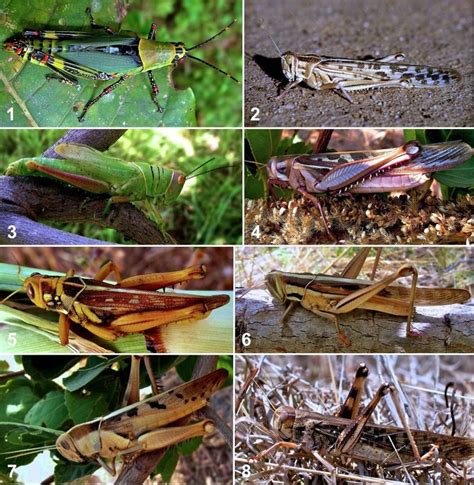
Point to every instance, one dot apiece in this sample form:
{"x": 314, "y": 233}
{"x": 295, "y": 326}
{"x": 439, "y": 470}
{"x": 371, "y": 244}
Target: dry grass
{"x": 320, "y": 383}
{"x": 442, "y": 267}
{"x": 361, "y": 219}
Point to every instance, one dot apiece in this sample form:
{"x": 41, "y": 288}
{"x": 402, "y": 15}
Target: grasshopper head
{"x": 283, "y": 421}
{"x": 66, "y": 446}
{"x": 36, "y": 289}
{"x": 276, "y": 285}
{"x": 175, "y": 187}
{"x": 289, "y": 62}
{"x": 17, "y": 46}
{"x": 279, "y": 168}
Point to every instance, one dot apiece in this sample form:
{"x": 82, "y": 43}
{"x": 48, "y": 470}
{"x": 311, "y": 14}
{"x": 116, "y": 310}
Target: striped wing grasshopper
{"x": 349, "y": 432}
{"x": 144, "y": 426}
{"x": 131, "y": 305}
{"x": 394, "y": 170}
{"x": 344, "y": 75}
{"x": 331, "y": 295}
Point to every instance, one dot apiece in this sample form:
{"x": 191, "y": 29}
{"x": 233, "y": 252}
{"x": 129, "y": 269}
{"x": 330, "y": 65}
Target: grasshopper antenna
{"x": 213, "y": 37}
{"x": 187, "y": 176}
{"x": 262, "y": 25}
{"x": 207, "y": 63}
{"x": 214, "y": 67}
{"x": 18, "y": 272}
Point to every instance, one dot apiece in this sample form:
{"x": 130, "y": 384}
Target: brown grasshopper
{"x": 331, "y": 295}
{"x": 131, "y": 305}
{"x": 154, "y": 423}
{"x": 394, "y": 170}
{"x": 344, "y": 74}
{"x": 349, "y": 433}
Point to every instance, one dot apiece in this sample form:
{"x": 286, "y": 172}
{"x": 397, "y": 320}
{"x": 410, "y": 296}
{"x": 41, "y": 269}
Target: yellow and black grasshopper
{"x": 103, "y": 55}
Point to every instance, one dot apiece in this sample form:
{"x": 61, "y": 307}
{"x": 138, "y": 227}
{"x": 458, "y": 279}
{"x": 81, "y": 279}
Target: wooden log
{"x": 447, "y": 328}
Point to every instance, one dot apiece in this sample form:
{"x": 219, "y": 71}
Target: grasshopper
{"x": 344, "y": 74}
{"x": 331, "y": 295}
{"x": 393, "y": 170}
{"x": 103, "y": 56}
{"x": 131, "y": 305}
{"x": 145, "y": 426}
{"x": 349, "y": 433}
{"x": 99, "y": 173}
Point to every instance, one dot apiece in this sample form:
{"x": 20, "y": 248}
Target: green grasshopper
{"x": 99, "y": 173}
{"x": 103, "y": 56}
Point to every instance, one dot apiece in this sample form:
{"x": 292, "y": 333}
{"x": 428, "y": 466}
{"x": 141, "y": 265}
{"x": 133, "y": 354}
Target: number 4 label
{"x": 256, "y": 232}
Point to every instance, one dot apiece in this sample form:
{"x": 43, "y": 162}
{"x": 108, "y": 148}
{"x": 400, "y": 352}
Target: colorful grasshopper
{"x": 132, "y": 305}
{"x": 99, "y": 173}
{"x": 102, "y": 56}
{"x": 349, "y": 433}
{"x": 375, "y": 171}
{"x": 148, "y": 425}
{"x": 331, "y": 295}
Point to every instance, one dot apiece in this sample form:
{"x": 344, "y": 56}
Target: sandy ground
{"x": 429, "y": 32}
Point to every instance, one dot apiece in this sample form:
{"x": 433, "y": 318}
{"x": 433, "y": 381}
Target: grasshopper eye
{"x": 181, "y": 180}
{"x": 30, "y": 291}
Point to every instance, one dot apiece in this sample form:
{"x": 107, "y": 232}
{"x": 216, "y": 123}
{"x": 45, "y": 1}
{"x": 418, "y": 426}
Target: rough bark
{"x": 23, "y": 200}
{"x": 441, "y": 329}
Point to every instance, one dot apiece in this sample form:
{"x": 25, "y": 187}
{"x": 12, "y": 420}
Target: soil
{"x": 429, "y": 32}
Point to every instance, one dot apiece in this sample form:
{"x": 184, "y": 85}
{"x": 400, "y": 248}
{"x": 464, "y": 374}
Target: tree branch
{"x": 26, "y": 199}
{"x": 446, "y": 328}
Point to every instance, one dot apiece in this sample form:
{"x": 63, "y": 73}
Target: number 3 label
{"x": 11, "y": 232}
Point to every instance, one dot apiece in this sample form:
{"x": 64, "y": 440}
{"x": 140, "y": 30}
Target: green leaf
{"x": 87, "y": 404}
{"x": 461, "y": 176}
{"x": 415, "y": 134}
{"x": 37, "y": 101}
{"x": 263, "y": 143}
{"x": 168, "y": 463}
{"x": 17, "y": 397}
{"x": 254, "y": 189}
{"x": 94, "y": 367}
{"x": 51, "y": 411}
{"x": 185, "y": 369}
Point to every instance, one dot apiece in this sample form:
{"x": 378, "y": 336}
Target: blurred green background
{"x": 209, "y": 209}
{"x": 203, "y": 97}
